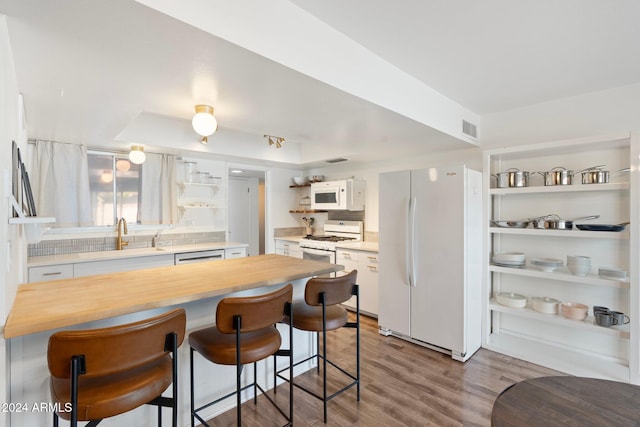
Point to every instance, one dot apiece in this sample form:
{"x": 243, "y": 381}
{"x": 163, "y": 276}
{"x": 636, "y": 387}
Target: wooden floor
{"x": 402, "y": 384}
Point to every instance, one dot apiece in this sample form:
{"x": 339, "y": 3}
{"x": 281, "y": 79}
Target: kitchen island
{"x": 42, "y": 308}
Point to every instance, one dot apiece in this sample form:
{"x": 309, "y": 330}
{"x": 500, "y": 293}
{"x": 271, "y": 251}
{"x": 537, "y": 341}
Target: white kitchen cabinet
{"x": 572, "y": 346}
{"x": 50, "y": 272}
{"x": 366, "y": 263}
{"x": 122, "y": 264}
{"x": 288, "y": 247}
{"x": 235, "y": 253}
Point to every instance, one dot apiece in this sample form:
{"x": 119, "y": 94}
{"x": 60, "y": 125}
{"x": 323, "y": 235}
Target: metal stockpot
{"x": 595, "y": 175}
{"x": 557, "y": 176}
{"x": 512, "y": 177}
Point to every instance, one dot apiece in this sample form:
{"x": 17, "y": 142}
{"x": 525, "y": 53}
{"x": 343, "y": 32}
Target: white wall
{"x": 12, "y": 244}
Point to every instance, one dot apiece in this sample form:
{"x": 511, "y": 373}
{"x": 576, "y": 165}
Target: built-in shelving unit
{"x": 572, "y": 346}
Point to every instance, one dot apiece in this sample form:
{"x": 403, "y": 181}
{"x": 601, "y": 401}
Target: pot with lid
{"x": 557, "y": 176}
{"x": 512, "y": 177}
{"x": 595, "y": 175}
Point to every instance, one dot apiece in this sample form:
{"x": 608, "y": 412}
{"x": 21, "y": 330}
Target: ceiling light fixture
{"x": 275, "y": 140}
{"x": 204, "y": 123}
{"x": 136, "y": 155}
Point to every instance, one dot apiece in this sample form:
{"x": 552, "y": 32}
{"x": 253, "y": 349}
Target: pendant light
{"x": 136, "y": 155}
{"x": 204, "y": 123}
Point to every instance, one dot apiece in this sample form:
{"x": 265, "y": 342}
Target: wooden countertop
{"x": 55, "y": 304}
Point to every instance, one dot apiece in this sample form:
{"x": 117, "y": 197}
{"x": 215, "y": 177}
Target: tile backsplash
{"x": 97, "y": 244}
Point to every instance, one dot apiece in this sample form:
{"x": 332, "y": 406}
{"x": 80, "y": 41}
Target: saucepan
{"x": 557, "y": 176}
{"x": 512, "y": 177}
{"x": 554, "y": 222}
{"x": 595, "y": 175}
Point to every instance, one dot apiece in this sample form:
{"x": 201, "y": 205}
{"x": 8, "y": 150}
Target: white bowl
{"x": 300, "y": 180}
{"x": 551, "y": 262}
{"x": 545, "y": 305}
{"x": 574, "y": 310}
{"x": 579, "y": 269}
{"x": 509, "y": 299}
{"x": 578, "y": 259}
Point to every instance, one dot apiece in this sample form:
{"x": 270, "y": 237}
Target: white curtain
{"x": 158, "y": 193}
{"x": 62, "y": 183}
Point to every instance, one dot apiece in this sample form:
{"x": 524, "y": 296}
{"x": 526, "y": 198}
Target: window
{"x": 114, "y": 183}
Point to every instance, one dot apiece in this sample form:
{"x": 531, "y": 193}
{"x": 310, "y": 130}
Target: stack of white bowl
{"x": 579, "y": 265}
{"x": 574, "y": 310}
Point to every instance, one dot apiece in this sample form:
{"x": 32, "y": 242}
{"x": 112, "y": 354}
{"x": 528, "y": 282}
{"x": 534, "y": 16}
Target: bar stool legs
{"x": 240, "y": 339}
{"x": 321, "y": 313}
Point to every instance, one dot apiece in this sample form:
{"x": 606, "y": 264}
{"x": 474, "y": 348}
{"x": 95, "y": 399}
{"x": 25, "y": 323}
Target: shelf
{"x": 300, "y": 186}
{"x": 31, "y": 220}
{"x": 197, "y": 184}
{"x": 575, "y": 188}
{"x": 555, "y": 356}
{"x": 198, "y": 207}
{"x": 557, "y": 319}
{"x": 562, "y": 233}
{"x": 562, "y": 275}
{"x": 306, "y": 211}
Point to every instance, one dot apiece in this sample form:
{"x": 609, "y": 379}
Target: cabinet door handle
{"x": 53, "y": 273}
{"x": 346, "y": 256}
{"x": 373, "y": 258}
{"x": 372, "y": 267}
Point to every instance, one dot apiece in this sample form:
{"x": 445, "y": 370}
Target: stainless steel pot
{"x": 595, "y": 175}
{"x": 512, "y": 177}
{"x": 557, "y": 176}
{"x": 554, "y": 222}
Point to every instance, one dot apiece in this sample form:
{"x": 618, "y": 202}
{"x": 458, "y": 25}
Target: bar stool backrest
{"x": 257, "y": 312}
{"x": 336, "y": 289}
{"x": 118, "y": 348}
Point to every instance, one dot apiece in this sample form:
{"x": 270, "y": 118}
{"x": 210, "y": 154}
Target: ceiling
{"x": 89, "y": 69}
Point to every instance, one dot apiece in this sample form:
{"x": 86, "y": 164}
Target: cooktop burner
{"x": 329, "y": 238}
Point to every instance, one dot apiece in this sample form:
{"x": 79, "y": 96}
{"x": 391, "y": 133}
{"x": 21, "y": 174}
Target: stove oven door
{"x": 319, "y": 255}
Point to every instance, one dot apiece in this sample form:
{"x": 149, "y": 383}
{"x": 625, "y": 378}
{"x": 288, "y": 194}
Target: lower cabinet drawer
{"x": 50, "y": 272}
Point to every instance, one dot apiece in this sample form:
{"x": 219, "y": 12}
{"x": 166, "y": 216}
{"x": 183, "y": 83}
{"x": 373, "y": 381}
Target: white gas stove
{"x": 323, "y": 247}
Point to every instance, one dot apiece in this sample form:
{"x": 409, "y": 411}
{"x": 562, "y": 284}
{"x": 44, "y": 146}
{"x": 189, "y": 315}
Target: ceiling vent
{"x": 337, "y": 160}
{"x": 469, "y": 129}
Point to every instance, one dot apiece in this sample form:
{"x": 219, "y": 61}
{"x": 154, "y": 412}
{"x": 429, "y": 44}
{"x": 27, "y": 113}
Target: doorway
{"x": 247, "y": 209}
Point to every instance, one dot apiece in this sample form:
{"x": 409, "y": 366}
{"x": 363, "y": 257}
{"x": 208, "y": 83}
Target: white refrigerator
{"x": 430, "y": 236}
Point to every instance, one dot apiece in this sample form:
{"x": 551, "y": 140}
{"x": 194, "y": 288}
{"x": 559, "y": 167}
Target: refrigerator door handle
{"x": 411, "y": 271}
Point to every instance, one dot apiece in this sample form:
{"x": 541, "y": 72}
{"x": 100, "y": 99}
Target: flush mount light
{"x": 136, "y": 155}
{"x": 204, "y": 123}
{"x": 275, "y": 140}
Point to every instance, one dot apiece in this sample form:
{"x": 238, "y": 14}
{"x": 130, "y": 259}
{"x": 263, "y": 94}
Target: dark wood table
{"x": 567, "y": 401}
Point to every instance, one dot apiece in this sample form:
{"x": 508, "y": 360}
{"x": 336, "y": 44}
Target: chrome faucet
{"x": 119, "y": 242}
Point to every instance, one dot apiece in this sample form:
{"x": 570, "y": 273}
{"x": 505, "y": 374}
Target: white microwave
{"x": 345, "y": 195}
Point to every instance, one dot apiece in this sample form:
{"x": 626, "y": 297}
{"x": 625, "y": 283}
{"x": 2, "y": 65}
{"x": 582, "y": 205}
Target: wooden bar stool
{"x": 105, "y": 372}
{"x": 245, "y": 332}
{"x": 320, "y": 312}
